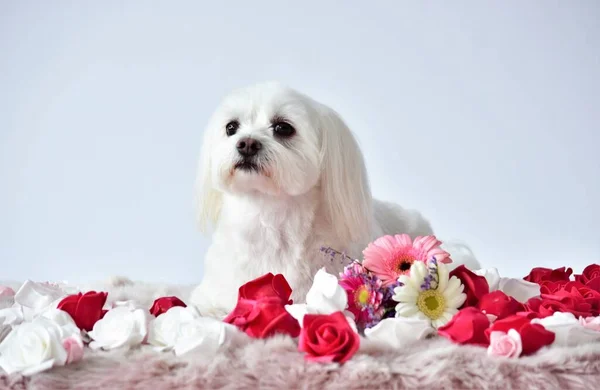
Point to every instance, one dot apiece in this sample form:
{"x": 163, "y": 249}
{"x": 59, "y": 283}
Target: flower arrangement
{"x": 403, "y": 291}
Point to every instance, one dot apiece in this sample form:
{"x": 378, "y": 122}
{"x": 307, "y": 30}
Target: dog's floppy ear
{"x": 344, "y": 182}
{"x": 208, "y": 199}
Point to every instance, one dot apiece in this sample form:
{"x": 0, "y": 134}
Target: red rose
{"x": 533, "y": 336}
{"x": 571, "y": 297}
{"x": 590, "y": 277}
{"x": 499, "y": 304}
{"x": 475, "y": 286}
{"x": 546, "y": 307}
{"x": 540, "y": 274}
{"x": 162, "y": 305}
{"x": 267, "y": 286}
{"x": 328, "y": 338}
{"x": 263, "y": 318}
{"x": 260, "y": 310}
{"x": 85, "y": 309}
{"x": 579, "y": 292}
{"x": 468, "y": 326}
{"x": 550, "y": 287}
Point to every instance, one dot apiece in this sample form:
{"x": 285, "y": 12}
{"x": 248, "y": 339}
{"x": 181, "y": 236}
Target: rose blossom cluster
{"x": 559, "y": 293}
{"x": 403, "y": 291}
{"x": 42, "y": 326}
{"x": 563, "y": 313}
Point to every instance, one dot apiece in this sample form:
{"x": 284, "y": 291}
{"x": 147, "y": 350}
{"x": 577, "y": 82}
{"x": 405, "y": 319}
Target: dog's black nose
{"x": 248, "y": 146}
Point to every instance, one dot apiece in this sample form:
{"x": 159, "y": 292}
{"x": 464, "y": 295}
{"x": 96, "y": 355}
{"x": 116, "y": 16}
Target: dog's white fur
{"x": 310, "y": 190}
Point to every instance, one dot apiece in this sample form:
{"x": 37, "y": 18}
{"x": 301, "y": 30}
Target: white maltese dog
{"x": 281, "y": 176}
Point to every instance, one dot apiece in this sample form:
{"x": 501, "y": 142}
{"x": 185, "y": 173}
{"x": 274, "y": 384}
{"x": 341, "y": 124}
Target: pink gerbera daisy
{"x": 388, "y": 257}
{"x": 365, "y": 294}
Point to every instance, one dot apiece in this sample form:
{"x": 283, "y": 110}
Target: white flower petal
{"x": 298, "y": 311}
{"x": 405, "y": 294}
{"x": 491, "y": 275}
{"x": 418, "y": 271}
{"x": 398, "y": 332}
{"x": 203, "y": 334}
{"x": 567, "y": 329}
{"x": 120, "y": 327}
{"x": 406, "y": 309}
{"x": 37, "y": 296}
{"x": 164, "y": 330}
{"x": 405, "y": 280}
{"x": 443, "y": 274}
{"x": 326, "y": 296}
{"x": 557, "y": 318}
{"x": 63, "y": 320}
{"x": 33, "y": 347}
{"x": 456, "y": 301}
{"x": 12, "y": 316}
{"x": 519, "y": 289}
{"x": 453, "y": 288}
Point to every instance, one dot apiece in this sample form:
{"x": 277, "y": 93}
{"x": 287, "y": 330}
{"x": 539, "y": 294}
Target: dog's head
{"x": 271, "y": 140}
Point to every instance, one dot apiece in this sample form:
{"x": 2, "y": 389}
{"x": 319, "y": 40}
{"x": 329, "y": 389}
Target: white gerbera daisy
{"x": 427, "y": 293}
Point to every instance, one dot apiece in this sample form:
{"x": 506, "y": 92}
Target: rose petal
{"x": 398, "y": 332}
{"x": 519, "y": 289}
{"x": 491, "y": 275}
{"x": 326, "y": 295}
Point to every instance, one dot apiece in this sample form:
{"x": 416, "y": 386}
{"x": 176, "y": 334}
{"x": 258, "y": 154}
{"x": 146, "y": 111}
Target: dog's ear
{"x": 208, "y": 199}
{"x": 344, "y": 183}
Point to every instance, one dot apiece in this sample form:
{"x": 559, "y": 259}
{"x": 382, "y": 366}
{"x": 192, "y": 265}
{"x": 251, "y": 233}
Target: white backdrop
{"x": 484, "y": 116}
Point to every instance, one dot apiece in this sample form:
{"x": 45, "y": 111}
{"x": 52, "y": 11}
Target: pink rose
{"x": 7, "y": 297}
{"x": 592, "y": 323}
{"x": 74, "y": 347}
{"x": 6, "y": 292}
{"x": 505, "y": 344}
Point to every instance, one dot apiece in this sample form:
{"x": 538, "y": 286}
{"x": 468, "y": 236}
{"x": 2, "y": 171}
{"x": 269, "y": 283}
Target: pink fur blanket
{"x": 275, "y": 364}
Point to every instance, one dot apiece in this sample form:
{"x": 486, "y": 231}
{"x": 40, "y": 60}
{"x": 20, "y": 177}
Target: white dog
{"x": 280, "y": 176}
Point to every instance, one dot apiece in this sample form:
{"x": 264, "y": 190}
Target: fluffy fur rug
{"x": 275, "y": 364}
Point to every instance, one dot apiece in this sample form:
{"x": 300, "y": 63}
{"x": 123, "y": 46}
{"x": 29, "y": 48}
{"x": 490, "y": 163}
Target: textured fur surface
{"x": 275, "y": 364}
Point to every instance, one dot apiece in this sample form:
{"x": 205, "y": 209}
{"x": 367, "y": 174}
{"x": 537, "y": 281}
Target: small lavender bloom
{"x": 332, "y": 253}
{"x": 433, "y": 275}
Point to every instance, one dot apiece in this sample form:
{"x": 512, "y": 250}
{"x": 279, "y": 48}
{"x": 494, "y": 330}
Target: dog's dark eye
{"x": 231, "y": 128}
{"x": 283, "y": 129}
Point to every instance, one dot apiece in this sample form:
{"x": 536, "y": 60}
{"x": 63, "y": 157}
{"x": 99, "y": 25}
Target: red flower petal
{"x": 468, "y": 326}
{"x": 534, "y": 337}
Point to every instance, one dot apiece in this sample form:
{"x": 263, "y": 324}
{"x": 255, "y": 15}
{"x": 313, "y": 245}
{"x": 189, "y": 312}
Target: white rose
{"x": 519, "y": 289}
{"x": 398, "y": 332}
{"x": 120, "y": 327}
{"x": 184, "y": 330}
{"x": 203, "y": 334}
{"x": 63, "y": 320}
{"x": 567, "y": 329}
{"x": 35, "y": 298}
{"x": 12, "y": 316}
{"x": 164, "y": 330}
{"x": 34, "y": 347}
{"x": 325, "y": 296}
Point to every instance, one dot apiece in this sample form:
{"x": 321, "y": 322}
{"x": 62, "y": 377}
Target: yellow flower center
{"x": 362, "y": 296}
{"x": 431, "y": 303}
